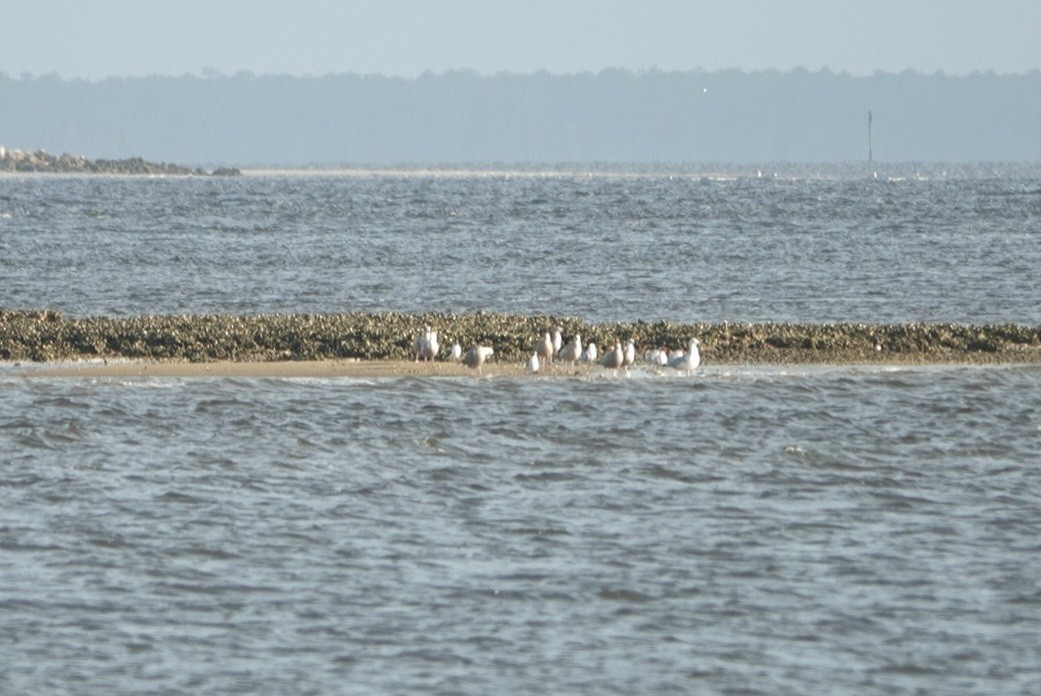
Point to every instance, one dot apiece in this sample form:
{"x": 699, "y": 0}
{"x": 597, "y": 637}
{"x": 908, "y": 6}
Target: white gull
{"x": 426, "y": 345}
{"x": 533, "y": 363}
{"x": 629, "y": 356}
{"x": 689, "y": 361}
{"x": 590, "y": 354}
{"x": 544, "y": 348}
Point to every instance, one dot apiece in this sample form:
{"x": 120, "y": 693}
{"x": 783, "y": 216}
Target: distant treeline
{"x": 464, "y": 117}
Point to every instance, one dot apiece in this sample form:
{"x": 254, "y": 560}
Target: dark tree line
{"x": 464, "y": 117}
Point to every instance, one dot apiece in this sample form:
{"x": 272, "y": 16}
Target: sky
{"x": 95, "y": 39}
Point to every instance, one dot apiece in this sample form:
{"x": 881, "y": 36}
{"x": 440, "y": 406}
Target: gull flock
{"x": 550, "y": 350}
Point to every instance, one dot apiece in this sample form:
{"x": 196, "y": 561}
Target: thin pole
{"x": 869, "y": 153}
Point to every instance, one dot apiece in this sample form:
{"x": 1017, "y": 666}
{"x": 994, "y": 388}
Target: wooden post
{"x": 869, "y": 153}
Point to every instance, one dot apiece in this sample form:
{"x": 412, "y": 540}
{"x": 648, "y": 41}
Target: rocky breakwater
{"x": 43, "y": 161}
{"x": 47, "y": 336}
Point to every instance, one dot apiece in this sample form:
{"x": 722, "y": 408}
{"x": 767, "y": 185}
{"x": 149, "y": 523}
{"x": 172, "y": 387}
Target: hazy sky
{"x": 100, "y": 38}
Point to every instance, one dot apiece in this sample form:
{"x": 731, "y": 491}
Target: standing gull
{"x": 615, "y": 358}
{"x": 689, "y": 361}
{"x": 558, "y": 339}
{"x": 419, "y": 344}
{"x": 590, "y": 354}
{"x": 476, "y": 356}
{"x": 426, "y": 345}
{"x": 629, "y": 356}
{"x": 533, "y": 363}
{"x": 544, "y": 348}
{"x": 432, "y": 345}
{"x": 659, "y": 357}
{"x": 572, "y": 351}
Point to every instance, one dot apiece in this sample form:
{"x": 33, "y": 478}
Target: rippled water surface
{"x": 601, "y": 247}
{"x": 745, "y": 530}
{"x": 767, "y": 531}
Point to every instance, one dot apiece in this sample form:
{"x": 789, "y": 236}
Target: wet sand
{"x": 378, "y": 369}
{"x": 321, "y": 369}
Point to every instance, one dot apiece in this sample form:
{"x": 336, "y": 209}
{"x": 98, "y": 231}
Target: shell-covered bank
{"x": 47, "y": 335}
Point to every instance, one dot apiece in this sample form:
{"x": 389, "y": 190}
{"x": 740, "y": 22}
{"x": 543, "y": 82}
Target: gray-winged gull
{"x": 476, "y": 356}
{"x": 544, "y": 348}
{"x": 572, "y": 351}
{"x": 615, "y": 358}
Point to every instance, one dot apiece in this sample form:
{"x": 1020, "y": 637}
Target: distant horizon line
{"x": 922, "y": 170}
{"x": 211, "y": 73}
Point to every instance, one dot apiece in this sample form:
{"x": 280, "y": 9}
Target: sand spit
{"x": 283, "y": 369}
{"x": 348, "y": 339}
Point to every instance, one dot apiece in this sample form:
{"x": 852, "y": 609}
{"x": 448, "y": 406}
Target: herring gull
{"x": 476, "y": 356}
{"x": 426, "y": 345}
{"x": 544, "y": 348}
{"x": 659, "y": 357}
{"x": 615, "y": 358}
{"x": 572, "y": 351}
{"x": 689, "y": 361}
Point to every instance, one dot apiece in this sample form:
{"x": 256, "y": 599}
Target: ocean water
{"x": 604, "y": 247}
{"x": 744, "y": 530}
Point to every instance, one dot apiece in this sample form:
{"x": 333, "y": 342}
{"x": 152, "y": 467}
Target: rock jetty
{"x": 43, "y": 161}
{"x": 47, "y": 336}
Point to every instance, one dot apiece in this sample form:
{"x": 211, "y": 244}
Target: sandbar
{"x": 320, "y": 369}
{"x": 351, "y": 368}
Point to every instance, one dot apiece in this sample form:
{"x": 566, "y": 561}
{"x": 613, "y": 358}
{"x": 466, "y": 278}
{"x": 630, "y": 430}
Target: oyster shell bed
{"x": 47, "y": 336}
